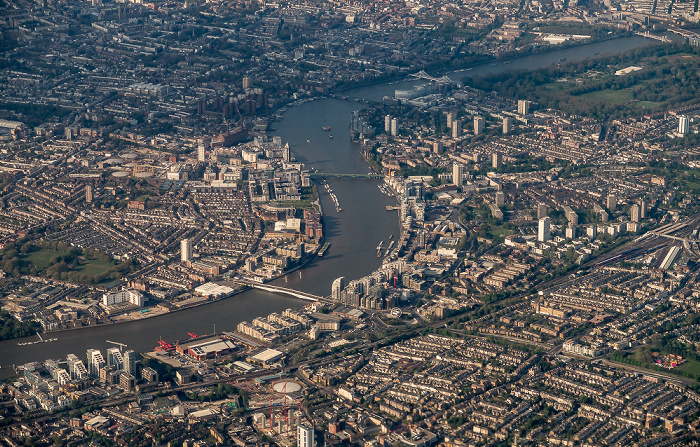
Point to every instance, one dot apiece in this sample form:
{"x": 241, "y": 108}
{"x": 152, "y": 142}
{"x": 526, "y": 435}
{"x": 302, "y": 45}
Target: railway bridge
{"x": 367, "y": 175}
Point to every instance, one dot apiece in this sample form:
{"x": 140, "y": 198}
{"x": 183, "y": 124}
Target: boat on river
{"x": 324, "y": 249}
{"x": 41, "y": 340}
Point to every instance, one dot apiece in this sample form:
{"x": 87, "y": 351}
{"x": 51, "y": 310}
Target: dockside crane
{"x": 121, "y": 345}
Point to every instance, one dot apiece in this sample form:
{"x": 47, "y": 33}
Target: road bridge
{"x": 277, "y": 289}
{"x": 423, "y": 75}
{"x": 647, "y": 34}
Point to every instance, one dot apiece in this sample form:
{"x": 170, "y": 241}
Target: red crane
{"x": 271, "y": 418}
{"x": 286, "y": 417}
{"x": 164, "y": 345}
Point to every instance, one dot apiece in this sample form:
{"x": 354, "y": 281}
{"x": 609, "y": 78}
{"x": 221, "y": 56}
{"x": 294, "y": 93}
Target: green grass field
{"x": 558, "y": 86}
{"x": 684, "y": 56}
{"x": 691, "y": 367}
{"x": 691, "y": 186}
{"x": 449, "y": 30}
{"x": 611, "y": 96}
{"x": 94, "y": 267}
{"x": 42, "y": 258}
{"x": 501, "y": 232}
{"x": 649, "y": 105}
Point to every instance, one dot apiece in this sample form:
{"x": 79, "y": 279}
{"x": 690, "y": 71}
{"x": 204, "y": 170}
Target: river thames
{"x": 353, "y": 233}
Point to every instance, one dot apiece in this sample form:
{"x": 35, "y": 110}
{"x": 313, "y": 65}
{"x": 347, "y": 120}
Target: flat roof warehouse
{"x": 266, "y": 356}
{"x": 207, "y": 348}
{"x": 211, "y": 289}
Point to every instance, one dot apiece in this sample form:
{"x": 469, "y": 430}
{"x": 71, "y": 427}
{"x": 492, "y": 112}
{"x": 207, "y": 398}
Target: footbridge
{"x": 368, "y": 175}
{"x": 286, "y": 291}
{"x": 423, "y": 75}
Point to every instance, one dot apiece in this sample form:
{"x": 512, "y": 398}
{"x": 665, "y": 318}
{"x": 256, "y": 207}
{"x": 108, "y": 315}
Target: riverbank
{"x": 318, "y": 203}
{"x": 472, "y": 64}
{"x": 155, "y": 311}
{"x": 354, "y": 233}
{"x": 149, "y": 315}
{"x": 203, "y": 302}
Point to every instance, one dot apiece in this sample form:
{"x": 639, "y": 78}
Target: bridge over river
{"x": 423, "y": 75}
{"x": 368, "y": 175}
{"x": 295, "y": 293}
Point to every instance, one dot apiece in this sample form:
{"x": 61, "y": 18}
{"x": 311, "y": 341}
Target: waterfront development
{"x": 352, "y": 234}
{"x": 313, "y": 224}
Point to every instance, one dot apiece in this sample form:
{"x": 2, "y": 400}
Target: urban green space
{"x": 61, "y": 261}
{"x": 643, "y": 80}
